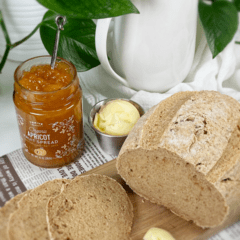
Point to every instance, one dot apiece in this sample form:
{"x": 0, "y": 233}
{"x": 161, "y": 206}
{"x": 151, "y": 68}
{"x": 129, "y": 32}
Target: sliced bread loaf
{"x": 6, "y": 211}
{"x": 185, "y": 154}
{"x": 28, "y": 222}
{"x": 91, "y": 207}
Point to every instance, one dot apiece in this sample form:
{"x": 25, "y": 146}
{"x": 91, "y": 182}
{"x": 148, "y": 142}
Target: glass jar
{"x": 50, "y": 123}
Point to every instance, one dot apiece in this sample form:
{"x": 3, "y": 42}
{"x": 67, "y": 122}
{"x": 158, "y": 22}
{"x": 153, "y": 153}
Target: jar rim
{"x": 42, "y": 92}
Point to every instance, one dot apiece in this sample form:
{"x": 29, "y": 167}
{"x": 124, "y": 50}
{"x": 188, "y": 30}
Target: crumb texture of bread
{"x": 185, "y": 154}
{"x": 91, "y": 207}
{"x": 28, "y": 222}
{"x": 6, "y": 211}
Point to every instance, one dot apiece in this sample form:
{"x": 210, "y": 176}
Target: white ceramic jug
{"x": 153, "y": 50}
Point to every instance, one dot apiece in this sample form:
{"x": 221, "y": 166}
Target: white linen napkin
{"x": 220, "y": 74}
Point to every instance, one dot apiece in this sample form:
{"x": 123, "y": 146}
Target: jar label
{"x": 51, "y": 140}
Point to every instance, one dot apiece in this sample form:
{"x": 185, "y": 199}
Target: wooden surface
{"x": 147, "y": 214}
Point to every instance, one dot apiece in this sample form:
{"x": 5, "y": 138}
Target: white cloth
{"x": 220, "y": 74}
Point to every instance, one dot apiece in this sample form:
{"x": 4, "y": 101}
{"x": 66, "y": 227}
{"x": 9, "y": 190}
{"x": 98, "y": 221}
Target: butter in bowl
{"x": 112, "y": 120}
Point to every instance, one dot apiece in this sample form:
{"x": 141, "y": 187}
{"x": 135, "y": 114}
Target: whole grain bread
{"x": 28, "y": 222}
{"x": 6, "y": 211}
{"x": 90, "y": 207}
{"x": 184, "y": 153}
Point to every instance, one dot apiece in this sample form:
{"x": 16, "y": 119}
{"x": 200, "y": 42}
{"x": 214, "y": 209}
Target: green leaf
{"x": 220, "y": 23}
{"x": 93, "y": 9}
{"x": 77, "y": 40}
{"x": 237, "y": 4}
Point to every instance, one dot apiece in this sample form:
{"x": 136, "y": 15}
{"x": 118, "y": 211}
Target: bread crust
{"x": 28, "y": 221}
{"x": 199, "y": 131}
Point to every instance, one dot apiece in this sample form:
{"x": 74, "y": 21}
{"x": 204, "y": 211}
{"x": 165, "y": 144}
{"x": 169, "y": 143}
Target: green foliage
{"x": 237, "y": 4}
{"x": 77, "y": 40}
{"x": 90, "y": 9}
{"x": 220, "y": 23}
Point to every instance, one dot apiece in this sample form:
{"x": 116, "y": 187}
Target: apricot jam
{"x": 48, "y": 105}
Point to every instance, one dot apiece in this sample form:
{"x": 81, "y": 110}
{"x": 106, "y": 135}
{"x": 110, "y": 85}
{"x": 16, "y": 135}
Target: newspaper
{"x": 18, "y": 175}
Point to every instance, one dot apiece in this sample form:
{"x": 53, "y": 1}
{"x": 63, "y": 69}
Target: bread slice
{"x": 91, "y": 207}
{"x": 185, "y": 154}
{"x": 5, "y": 213}
{"x": 28, "y": 222}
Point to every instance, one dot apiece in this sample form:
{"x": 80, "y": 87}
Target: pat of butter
{"x": 158, "y": 234}
{"x": 117, "y": 117}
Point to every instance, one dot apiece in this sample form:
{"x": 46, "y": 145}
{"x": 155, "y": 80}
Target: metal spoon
{"x": 60, "y": 21}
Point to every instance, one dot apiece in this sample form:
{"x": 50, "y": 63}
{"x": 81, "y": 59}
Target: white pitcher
{"x": 153, "y": 50}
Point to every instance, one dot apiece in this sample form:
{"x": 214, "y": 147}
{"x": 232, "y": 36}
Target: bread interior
{"x": 165, "y": 179}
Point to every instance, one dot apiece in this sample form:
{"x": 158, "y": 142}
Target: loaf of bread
{"x": 91, "y": 207}
{"x": 184, "y": 154}
{"x": 28, "y": 221}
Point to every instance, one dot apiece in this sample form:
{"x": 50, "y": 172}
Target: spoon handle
{"x": 60, "y": 21}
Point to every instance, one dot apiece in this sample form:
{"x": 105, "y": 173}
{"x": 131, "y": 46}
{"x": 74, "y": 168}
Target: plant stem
{"x": 2, "y": 24}
{"x": 9, "y": 45}
{"x": 8, "y": 42}
{"x": 27, "y": 37}
{"x": 4, "y": 58}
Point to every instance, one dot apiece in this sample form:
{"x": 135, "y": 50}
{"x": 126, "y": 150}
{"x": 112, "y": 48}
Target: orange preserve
{"x": 48, "y": 105}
